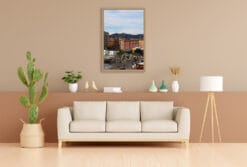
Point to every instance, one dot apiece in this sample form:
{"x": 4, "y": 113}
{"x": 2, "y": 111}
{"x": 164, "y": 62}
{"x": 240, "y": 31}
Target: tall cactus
{"x": 30, "y": 79}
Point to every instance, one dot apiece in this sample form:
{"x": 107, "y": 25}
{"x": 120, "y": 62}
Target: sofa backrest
{"x": 156, "y": 110}
{"x": 123, "y": 110}
{"x": 89, "y": 110}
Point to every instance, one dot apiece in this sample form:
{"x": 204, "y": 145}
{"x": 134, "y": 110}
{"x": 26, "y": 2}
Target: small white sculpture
{"x": 86, "y": 85}
{"x": 94, "y": 86}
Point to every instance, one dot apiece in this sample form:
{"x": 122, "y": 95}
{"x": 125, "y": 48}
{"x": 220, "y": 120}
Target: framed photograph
{"x": 123, "y": 41}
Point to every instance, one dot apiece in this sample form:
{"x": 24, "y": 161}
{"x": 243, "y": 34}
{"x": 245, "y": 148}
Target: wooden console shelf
{"x": 128, "y": 96}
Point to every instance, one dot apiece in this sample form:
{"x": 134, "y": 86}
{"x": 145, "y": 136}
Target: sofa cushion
{"x": 156, "y": 110}
{"x": 87, "y": 126}
{"x": 124, "y": 110}
{"x": 159, "y": 126}
{"x": 89, "y": 110}
{"x": 123, "y": 126}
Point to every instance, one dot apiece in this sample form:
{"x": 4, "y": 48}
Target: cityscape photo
{"x": 123, "y": 39}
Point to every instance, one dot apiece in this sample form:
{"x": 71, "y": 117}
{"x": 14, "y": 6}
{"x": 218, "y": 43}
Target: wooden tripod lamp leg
{"x": 217, "y": 120}
{"x": 212, "y": 116}
{"x": 204, "y": 118}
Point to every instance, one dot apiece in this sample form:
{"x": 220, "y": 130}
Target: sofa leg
{"x": 60, "y": 143}
{"x": 186, "y": 142}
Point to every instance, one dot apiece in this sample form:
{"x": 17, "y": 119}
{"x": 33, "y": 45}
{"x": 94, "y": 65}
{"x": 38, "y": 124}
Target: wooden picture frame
{"x": 123, "y": 40}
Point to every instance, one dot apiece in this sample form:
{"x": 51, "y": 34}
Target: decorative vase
{"x": 153, "y": 87}
{"x": 175, "y": 86}
{"x": 73, "y": 87}
{"x": 32, "y": 136}
{"x": 86, "y": 85}
{"x": 163, "y": 87}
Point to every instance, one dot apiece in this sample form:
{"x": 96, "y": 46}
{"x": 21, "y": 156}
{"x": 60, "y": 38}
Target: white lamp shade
{"x": 211, "y": 84}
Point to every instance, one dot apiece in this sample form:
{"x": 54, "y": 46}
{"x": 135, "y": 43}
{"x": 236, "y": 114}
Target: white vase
{"x": 73, "y": 87}
{"x": 175, "y": 86}
{"x": 32, "y": 136}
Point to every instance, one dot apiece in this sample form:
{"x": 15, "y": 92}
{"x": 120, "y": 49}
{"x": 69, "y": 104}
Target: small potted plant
{"x": 72, "y": 79}
{"x": 175, "y": 70}
{"x": 32, "y": 135}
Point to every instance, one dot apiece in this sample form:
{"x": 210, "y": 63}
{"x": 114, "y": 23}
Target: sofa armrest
{"x": 182, "y": 117}
{"x": 64, "y": 118}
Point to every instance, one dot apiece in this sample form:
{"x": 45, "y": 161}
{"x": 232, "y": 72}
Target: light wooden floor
{"x": 126, "y": 155}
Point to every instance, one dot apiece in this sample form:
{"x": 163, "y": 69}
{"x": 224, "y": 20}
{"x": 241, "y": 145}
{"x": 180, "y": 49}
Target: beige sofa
{"x": 123, "y": 121}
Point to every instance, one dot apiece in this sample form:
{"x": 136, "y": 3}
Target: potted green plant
{"x": 72, "y": 79}
{"x": 32, "y": 135}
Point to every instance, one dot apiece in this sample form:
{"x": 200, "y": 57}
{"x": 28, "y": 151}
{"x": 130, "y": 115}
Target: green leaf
{"x": 72, "y": 77}
{"x": 30, "y": 71}
{"x": 32, "y": 94}
{"x": 46, "y": 79}
{"x": 29, "y": 56}
{"x": 24, "y": 101}
{"x": 44, "y": 91}
{"x": 37, "y": 75}
{"x": 43, "y": 94}
{"x": 33, "y": 113}
{"x": 22, "y": 76}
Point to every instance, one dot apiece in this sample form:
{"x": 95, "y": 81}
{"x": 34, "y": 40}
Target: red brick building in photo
{"x": 128, "y": 44}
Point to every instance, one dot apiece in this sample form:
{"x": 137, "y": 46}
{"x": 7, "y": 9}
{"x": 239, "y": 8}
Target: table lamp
{"x": 211, "y": 84}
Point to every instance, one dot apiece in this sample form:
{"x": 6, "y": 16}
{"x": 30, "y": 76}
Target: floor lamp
{"x": 211, "y": 84}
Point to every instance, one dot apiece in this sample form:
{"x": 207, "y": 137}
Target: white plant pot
{"x": 73, "y": 87}
{"x": 32, "y": 136}
{"x": 175, "y": 86}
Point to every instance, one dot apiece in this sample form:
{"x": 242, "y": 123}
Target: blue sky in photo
{"x": 124, "y": 21}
